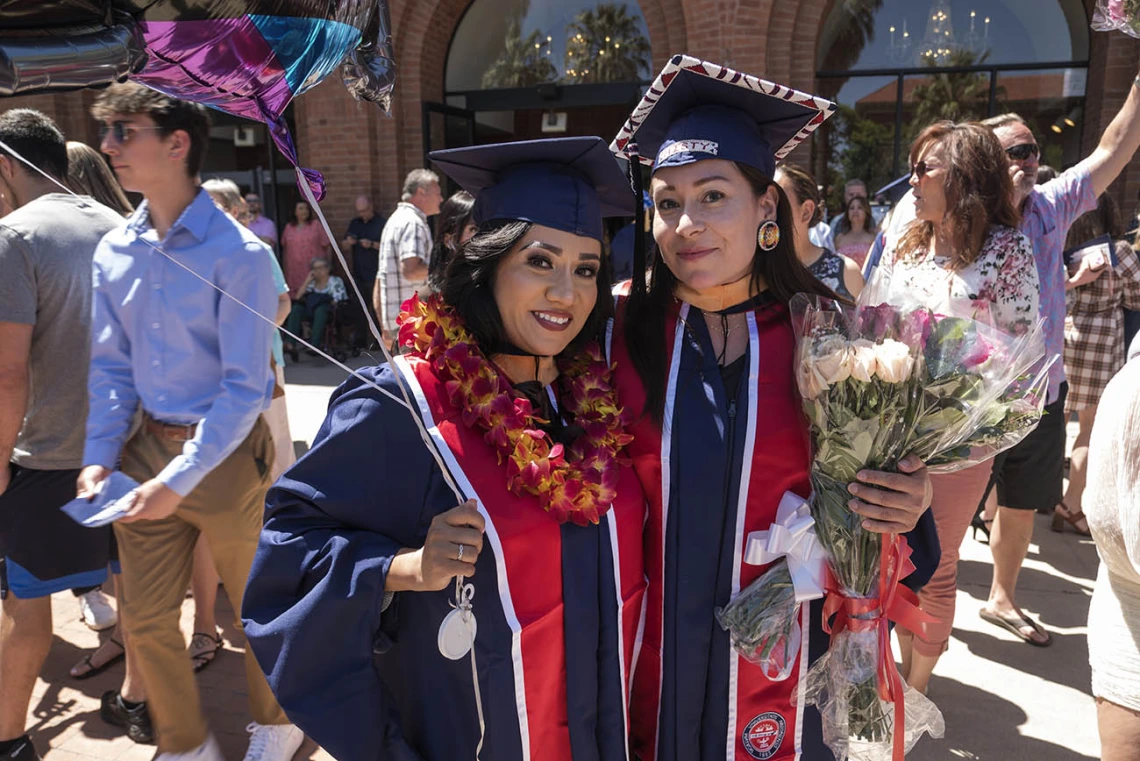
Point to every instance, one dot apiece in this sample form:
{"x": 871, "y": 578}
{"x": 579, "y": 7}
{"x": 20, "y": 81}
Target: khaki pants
{"x": 226, "y": 508}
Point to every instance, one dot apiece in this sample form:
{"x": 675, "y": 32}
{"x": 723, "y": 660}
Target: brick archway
{"x": 423, "y": 32}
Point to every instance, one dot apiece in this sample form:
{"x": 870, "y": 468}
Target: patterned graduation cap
{"x": 698, "y": 110}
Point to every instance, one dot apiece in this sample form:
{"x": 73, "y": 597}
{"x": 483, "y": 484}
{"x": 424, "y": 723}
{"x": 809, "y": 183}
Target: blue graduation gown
{"x": 557, "y": 606}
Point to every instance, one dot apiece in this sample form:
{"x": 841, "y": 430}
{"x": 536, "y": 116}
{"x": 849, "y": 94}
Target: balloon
{"x": 249, "y": 58}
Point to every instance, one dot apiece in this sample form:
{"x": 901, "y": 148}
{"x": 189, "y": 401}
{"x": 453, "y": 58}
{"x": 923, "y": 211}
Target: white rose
{"x": 893, "y": 361}
{"x": 832, "y": 360}
{"x": 811, "y": 383}
{"x": 863, "y": 360}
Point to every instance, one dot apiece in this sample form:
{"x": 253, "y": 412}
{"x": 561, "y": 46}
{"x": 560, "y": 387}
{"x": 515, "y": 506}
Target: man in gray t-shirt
{"x": 45, "y": 254}
{"x": 46, "y": 249}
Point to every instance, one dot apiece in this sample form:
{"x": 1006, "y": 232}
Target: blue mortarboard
{"x": 567, "y": 183}
{"x": 697, "y": 110}
{"x": 894, "y": 191}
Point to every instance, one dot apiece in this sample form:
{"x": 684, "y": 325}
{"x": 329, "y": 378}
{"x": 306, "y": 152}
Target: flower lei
{"x": 577, "y": 484}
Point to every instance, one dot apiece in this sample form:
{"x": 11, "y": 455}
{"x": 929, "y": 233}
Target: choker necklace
{"x": 576, "y": 482}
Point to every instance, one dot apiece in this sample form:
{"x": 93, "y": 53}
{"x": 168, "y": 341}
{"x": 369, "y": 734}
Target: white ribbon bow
{"x": 792, "y": 536}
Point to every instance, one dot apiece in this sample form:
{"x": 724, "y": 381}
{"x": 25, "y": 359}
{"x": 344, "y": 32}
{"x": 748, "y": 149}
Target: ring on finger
{"x": 460, "y": 555}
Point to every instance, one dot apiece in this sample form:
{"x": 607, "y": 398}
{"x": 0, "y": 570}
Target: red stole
{"x": 527, "y": 545}
{"x": 767, "y": 715}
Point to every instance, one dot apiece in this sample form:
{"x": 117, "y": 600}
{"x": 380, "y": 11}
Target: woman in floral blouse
{"x": 963, "y": 249}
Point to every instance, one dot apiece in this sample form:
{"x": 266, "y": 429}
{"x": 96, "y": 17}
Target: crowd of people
{"x": 166, "y": 328}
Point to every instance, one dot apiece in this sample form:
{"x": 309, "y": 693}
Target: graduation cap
{"x": 894, "y": 190}
{"x": 566, "y": 183}
{"x": 697, "y": 110}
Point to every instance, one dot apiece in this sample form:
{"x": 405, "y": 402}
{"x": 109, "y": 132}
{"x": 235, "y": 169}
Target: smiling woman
{"x": 504, "y": 369}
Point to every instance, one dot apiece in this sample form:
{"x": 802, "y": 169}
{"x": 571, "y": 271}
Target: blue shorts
{"x": 43, "y": 550}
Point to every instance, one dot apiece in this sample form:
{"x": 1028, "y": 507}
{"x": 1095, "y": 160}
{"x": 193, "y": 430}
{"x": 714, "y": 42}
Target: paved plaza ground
{"x": 1003, "y": 700}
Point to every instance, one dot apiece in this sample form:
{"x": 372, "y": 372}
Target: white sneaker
{"x": 95, "y": 610}
{"x": 207, "y": 751}
{"x": 273, "y": 742}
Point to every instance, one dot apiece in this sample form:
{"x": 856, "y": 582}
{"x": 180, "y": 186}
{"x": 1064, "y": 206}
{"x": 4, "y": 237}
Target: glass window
{"x": 880, "y": 34}
{"x": 516, "y": 43}
{"x": 874, "y": 59}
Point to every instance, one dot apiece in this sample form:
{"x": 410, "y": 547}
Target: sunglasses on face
{"x": 921, "y": 169}
{"x": 121, "y": 131}
{"x": 1023, "y": 151}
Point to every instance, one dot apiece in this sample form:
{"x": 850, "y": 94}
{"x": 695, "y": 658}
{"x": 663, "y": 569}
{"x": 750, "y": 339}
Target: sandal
{"x": 1014, "y": 625}
{"x": 87, "y": 667}
{"x": 203, "y": 649}
{"x": 1062, "y": 515}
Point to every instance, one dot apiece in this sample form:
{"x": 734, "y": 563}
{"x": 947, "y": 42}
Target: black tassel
{"x": 639, "y": 266}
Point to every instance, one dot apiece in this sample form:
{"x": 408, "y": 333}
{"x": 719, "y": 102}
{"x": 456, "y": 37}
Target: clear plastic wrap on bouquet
{"x": 879, "y": 382}
{"x": 1121, "y": 15}
{"x": 763, "y": 623}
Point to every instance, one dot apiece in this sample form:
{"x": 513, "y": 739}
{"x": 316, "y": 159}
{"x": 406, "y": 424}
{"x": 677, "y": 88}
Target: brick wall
{"x": 362, "y": 151}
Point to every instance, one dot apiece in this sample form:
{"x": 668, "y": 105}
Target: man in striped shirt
{"x": 405, "y": 248}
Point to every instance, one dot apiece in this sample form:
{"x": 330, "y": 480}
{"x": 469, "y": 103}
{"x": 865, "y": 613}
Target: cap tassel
{"x": 639, "y": 266}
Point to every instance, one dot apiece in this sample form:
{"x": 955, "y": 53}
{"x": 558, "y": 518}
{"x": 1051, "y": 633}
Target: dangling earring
{"x": 768, "y": 237}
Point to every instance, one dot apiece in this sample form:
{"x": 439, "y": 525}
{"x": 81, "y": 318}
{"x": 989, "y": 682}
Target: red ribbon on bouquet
{"x": 895, "y": 603}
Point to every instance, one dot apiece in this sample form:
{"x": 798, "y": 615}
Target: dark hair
{"x": 168, "y": 114}
{"x": 1045, "y": 173}
{"x": 36, "y": 137}
{"x": 468, "y": 287}
{"x": 454, "y": 214}
{"x": 88, "y": 174}
{"x": 293, "y": 213}
{"x": 646, "y": 310}
{"x": 845, "y": 220}
{"x": 1104, "y": 219}
{"x": 805, "y": 188}
{"x": 979, "y": 191}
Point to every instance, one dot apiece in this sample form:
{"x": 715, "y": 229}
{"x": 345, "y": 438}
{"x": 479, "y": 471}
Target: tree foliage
{"x": 605, "y": 44}
{"x": 522, "y": 62}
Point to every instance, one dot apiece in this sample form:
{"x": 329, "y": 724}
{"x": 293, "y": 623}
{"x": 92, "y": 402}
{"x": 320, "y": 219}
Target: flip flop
{"x": 203, "y": 649}
{"x": 1013, "y": 626}
{"x": 89, "y": 664}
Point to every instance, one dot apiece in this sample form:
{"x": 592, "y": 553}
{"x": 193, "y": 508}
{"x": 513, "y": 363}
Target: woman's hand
{"x": 892, "y": 503}
{"x": 433, "y": 566}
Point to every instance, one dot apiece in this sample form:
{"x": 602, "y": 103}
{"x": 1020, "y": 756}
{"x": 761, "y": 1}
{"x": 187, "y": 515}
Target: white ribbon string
{"x": 405, "y": 402}
{"x": 792, "y": 536}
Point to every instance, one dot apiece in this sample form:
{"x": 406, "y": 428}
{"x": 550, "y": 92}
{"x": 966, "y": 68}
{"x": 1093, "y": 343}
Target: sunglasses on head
{"x": 121, "y": 131}
{"x": 1023, "y": 151}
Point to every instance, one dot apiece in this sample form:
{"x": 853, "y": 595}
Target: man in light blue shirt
{"x": 195, "y": 362}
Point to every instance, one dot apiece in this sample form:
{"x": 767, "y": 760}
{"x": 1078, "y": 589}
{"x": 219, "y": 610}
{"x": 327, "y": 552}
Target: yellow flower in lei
{"x": 576, "y": 483}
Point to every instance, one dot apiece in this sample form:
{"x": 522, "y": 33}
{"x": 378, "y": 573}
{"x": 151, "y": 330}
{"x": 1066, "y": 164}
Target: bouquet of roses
{"x": 879, "y": 383}
{"x": 1117, "y": 14}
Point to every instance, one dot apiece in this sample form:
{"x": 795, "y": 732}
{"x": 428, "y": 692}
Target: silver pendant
{"x": 458, "y": 629}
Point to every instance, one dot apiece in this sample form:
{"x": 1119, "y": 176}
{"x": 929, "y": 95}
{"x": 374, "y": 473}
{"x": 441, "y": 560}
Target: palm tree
{"x": 605, "y": 45}
{"x": 522, "y": 62}
{"x": 957, "y": 96}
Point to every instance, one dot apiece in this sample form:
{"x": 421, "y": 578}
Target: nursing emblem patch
{"x": 764, "y": 735}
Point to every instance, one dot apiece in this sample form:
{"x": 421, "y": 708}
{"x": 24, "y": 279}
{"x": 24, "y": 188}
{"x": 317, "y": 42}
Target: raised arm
{"x": 1118, "y": 143}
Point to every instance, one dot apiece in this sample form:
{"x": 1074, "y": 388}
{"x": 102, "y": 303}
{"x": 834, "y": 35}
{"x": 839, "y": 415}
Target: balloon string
{"x": 459, "y": 581}
{"x": 379, "y": 339}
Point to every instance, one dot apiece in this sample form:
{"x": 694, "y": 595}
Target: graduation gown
{"x": 557, "y": 606}
{"x": 717, "y": 474}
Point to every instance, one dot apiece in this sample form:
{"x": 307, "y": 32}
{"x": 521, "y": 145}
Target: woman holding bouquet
{"x": 705, "y": 354}
{"x": 962, "y": 250}
{"x": 351, "y": 606}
